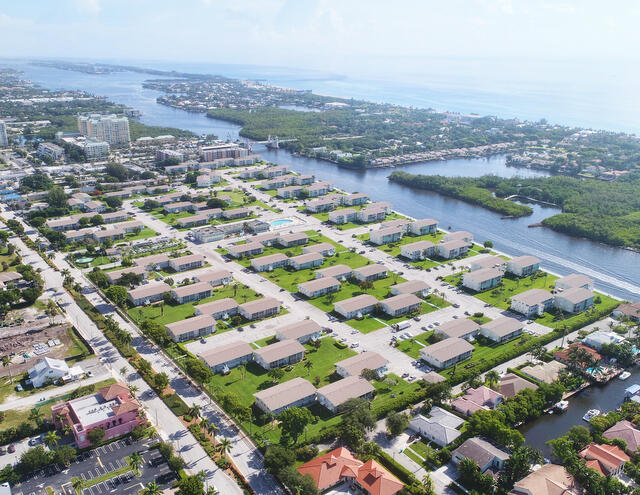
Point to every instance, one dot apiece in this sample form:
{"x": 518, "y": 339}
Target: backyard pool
{"x": 281, "y": 222}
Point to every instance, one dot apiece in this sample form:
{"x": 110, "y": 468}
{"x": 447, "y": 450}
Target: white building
{"x": 440, "y": 427}
{"x": 49, "y": 370}
{"x": 109, "y": 128}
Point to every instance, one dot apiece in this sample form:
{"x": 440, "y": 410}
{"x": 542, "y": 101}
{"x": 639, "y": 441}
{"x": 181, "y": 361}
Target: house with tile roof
{"x": 607, "y": 460}
{"x": 625, "y": 430}
{"x": 550, "y": 479}
{"x": 475, "y": 399}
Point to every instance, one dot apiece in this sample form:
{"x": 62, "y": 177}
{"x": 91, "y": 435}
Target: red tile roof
{"x": 112, "y": 391}
{"x": 331, "y": 468}
{"x": 605, "y": 459}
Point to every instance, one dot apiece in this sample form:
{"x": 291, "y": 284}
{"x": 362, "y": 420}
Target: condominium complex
{"x": 109, "y": 128}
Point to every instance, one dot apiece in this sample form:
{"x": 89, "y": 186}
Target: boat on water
{"x": 591, "y": 413}
{"x": 561, "y": 406}
{"x": 624, "y": 375}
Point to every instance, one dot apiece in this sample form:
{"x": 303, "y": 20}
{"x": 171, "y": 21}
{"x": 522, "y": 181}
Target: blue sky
{"x": 322, "y": 34}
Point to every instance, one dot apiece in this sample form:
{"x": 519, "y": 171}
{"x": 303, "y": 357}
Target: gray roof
{"x": 480, "y": 451}
{"x": 285, "y": 393}
{"x": 299, "y": 329}
{"x": 280, "y": 350}
{"x": 532, "y": 296}
{"x": 341, "y": 391}
{"x": 190, "y": 324}
{"x": 365, "y": 360}
{"x": 447, "y": 349}
{"x": 225, "y": 353}
{"x": 575, "y": 295}
{"x": 503, "y": 325}
{"x": 318, "y": 284}
{"x": 458, "y": 328}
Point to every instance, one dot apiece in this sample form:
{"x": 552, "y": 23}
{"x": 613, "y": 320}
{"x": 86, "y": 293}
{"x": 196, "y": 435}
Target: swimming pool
{"x": 279, "y": 223}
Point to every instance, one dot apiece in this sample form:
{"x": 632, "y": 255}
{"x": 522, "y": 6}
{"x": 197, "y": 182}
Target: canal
{"x": 616, "y": 271}
{"x": 605, "y": 397}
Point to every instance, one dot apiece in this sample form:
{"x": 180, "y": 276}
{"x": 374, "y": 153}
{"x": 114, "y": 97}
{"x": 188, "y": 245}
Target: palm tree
{"x": 126, "y": 338}
{"x": 51, "y": 439}
{"x": 76, "y": 483}
{"x": 133, "y": 389}
{"x": 123, "y": 370}
{"x": 202, "y": 474}
{"x": 152, "y": 432}
{"x": 212, "y": 430}
{"x": 204, "y": 423}
{"x": 66, "y": 429}
{"x": 308, "y": 365}
{"x": 243, "y": 370}
{"x": 6, "y": 361}
{"x": 135, "y": 461}
{"x": 194, "y": 411}
{"x": 212, "y": 491}
{"x": 152, "y": 489}
{"x": 36, "y": 416}
{"x": 224, "y": 446}
{"x": 492, "y": 377}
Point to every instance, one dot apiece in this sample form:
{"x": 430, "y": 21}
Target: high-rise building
{"x": 109, "y": 128}
{"x": 4, "y": 140}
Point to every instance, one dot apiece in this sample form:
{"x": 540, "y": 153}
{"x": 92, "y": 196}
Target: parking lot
{"x": 97, "y": 463}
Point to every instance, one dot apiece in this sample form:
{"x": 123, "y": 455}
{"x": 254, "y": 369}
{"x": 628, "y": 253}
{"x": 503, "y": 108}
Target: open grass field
{"x": 412, "y": 347}
{"x": 145, "y": 233}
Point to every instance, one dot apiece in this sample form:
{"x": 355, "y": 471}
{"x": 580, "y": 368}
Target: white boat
{"x": 561, "y": 406}
{"x": 624, "y": 375}
{"x": 591, "y": 413}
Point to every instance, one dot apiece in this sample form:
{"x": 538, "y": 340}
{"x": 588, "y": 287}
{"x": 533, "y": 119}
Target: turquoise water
{"x": 278, "y": 223}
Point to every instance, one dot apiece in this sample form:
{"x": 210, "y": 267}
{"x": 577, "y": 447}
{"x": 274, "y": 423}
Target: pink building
{"x": 475, "y": 399}
{"x": 113, "y": 408}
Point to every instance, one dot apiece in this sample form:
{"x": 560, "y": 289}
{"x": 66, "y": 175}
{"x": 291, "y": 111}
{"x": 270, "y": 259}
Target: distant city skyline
{"x": 319, "y": 34}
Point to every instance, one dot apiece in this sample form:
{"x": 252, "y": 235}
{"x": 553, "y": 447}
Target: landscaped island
{"x": 607, "y": 212}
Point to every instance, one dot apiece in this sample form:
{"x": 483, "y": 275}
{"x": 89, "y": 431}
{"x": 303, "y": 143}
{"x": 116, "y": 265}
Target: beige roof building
{"x": 511, "y": 384}
{"x": 226, "y": 353}
{"x": 337, "y": 271}
{"x": 279, "y": 354}
{"x": 297, "y": 392}
{"x": 550, "y": 479}
{"x": 191, "y": 327}
{"x": 461, "y": 328}
{"x": 545, "y": 372}
{"x": 300, "y": 331}
{"x": 447, "y": 352}
{"x": 337, "y": 393}
{"x": 353, "y": 366}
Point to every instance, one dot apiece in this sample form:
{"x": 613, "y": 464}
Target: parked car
{"x": 12, "y": 448}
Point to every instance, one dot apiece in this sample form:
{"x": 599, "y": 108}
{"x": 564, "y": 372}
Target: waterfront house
{"x": 423, "y": 226}
{"x": 439, "y": 427}
{"x": 574, "y": 280}
{"x": 460, "y": 235}
{"x": 354, "y": 199}
{"x": 401, "y": 223}
{"x": 386, "y": 235}
{"x": 601, "y": 337}
{"x": 306, "y": 261}
{"x": 184, "y": 263}
{"x": 415, "y": 287}
{"x": 452, "y": 249}
{"x": 149, "y": 293}
{"x": 574, "y": 300}
{"x": 112, "y": 408}
{"x": 484, "y": 454}
{"x": 356, "y": 307}
{"x": 297, "y": 392}
{"x": 511, "y": 384}
{"x": 335, "y": 394}
{"x": 223, "y": 358}
{"x": 249, "y": 249}
{"x": 482, "y": 280}
{"x": 192, "y": 292}
{"x": 419, "y": 250}
{"x": 550, "y": 479}
{"x": 279, "y": 354}
{"x": 532, "y": 303}
{"x": 627, "y": 431}
{"x": 544, "y": 372}
{"x": 462, "y": 328}
{"x": 476, "y": 399}
{"x": 447, "y": 352}
{"x": 114, "y": 276}
{"x": 295, "y": 239}
{"x": 269, "y": 262}
{"x": 318, "y": 189}
{"x": 401, "y": 304}
{"x": 302, "y": 331}
{"x": 384, "y": 205}
{"x": 370, "y": 273}
{"x": 303, "y": 179}
{"x": 320, "y": 205}
{"x": 487, "y": 261}
{"x": 608, "y": 460}
{"x": 191, "y": 328}
{"x": 222, "y": 309}
{"x": 339, "y": 272}
{"x": 371, "y": 214}
{"x": 319, "y": 287}
{"x": 564, "y": 355}
{"x": 214, "y": 277}
{"x": 340, "y": 467}
{"x": 324, "y": 248}
{"x": 355, "y": 365}
{"x": 523, "y": 266}
{"x": 630, "y": 311}
{"x": 343, "y": 216}
{"x": 260, "y": 308}
{"x": 153, "y": 262}
{"x": 236, "y": 213}
{"x": 502, "y": 329}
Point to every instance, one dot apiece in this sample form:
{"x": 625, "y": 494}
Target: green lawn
{"x": 412, "y": 347}
{"x": 366, "y": 325}
{"x": 558, "y": 320}
{"x": 241, "y": 293}
{"x": 77, "y": 350}
{"x": 170, "y": 218}
{"x": 393, "y": 249}
{"x": 6, "y": 258}
{"x": 145, "y": 233}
